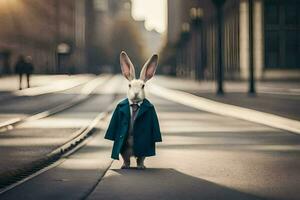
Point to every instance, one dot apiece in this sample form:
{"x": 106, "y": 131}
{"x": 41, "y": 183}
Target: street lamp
{"x": 219, "y": 4}
{"x": 183, "y": 47}
{"x": 185, "y": 28}
{"x": 185, "y": 34}
{"x": 251, "y": 90}
{"x": 196, "y": 14}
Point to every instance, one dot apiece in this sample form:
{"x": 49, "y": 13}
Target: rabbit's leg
{"x": 126, "y": 158}
{"x": 127, "y": 152}
{"x": 140, "y": 162}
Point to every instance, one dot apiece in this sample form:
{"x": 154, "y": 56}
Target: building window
{"x": 291, "y": 17}
{"x": 271, "y": 13}
{"x": 282, "y": 30}
{"x": 291, "y": 46}
{"x": 272, "y": 49}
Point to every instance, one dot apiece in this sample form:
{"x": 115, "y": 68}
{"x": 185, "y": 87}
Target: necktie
{"x": 135, "y": 108}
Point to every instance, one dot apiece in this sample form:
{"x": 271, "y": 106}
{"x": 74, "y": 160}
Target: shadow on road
{"x": 162, "y": 184}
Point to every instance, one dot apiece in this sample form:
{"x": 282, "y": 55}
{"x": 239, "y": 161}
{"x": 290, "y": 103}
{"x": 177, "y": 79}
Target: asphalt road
{"x": 32, "y": 140}
{"x": 206, "y": 156}
{"x": 202, "y": 156}
{"x": 14, "y": 106}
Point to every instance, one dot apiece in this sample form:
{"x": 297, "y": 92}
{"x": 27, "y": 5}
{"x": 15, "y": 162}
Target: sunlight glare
{"x": 152, "y": 11}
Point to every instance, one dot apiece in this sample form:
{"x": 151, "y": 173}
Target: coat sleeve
{"x": 113, "y": 126}
{"x": 156, "y": 130}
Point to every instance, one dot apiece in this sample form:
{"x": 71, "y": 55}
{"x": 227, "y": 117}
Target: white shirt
{"x": 130, "y": 103}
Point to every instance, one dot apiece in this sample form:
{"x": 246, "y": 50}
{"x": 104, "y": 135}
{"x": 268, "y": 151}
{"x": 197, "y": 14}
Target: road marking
{"x": 204, "y": 104}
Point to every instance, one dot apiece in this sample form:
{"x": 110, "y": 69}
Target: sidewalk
{"x": 11, "y": 83}
{"x": 208, "y": 156}
{"x": 279, "y": 98}
{"x": 17, "y": 104}
{"x": 40, "y": 84}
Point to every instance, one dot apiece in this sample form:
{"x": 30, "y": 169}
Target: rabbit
{"x": 134, "y": 126}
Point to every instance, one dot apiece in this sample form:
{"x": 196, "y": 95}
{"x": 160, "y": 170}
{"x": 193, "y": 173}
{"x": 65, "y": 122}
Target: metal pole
{"x": 220, "y": 90}
{"x": 197, "y": 48}
{"x": 57, "y": 34}
{"x": 251, "y": 67}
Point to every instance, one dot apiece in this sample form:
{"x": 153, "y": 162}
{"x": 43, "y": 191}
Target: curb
{"x": 204, "y": 104}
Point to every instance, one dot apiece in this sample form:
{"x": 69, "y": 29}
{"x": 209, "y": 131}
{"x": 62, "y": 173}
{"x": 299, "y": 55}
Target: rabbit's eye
{"x": 129, "y": 85}
{"x": 143, "y": 86}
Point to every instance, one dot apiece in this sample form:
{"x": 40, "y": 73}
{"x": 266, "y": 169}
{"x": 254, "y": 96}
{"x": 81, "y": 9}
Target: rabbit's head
{"x": 136, "y": 92}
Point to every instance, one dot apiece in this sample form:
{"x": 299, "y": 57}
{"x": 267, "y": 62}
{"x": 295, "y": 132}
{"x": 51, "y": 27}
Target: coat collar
{"x": 139, "y": 103}
{"x": 124, "y": 107}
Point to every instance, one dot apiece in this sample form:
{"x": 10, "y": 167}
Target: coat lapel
{"x": 144, "y": 107}
{"x": 125, "y": 108}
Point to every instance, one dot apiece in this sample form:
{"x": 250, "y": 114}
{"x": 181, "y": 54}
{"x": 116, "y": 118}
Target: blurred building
{"x": 174, "y": 20}
{"x": 151, "y": 38}
{"x": 52, "y": 32}
{"x": 276, "y": 35}
{"x": 105, "y": 40}
{"x": 101, "y": 17}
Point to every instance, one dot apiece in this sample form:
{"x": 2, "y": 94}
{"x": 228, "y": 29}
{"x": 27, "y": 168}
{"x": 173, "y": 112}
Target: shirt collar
{"x": 139, "y": 103}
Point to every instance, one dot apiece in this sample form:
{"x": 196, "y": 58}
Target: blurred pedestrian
{"x": 19, "y": 69}
{"x": 28, "y": 69}
{"x": 24, "y": 66}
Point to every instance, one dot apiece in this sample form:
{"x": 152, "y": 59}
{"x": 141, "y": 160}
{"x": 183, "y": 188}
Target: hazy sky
{"x": 153, "y": 11}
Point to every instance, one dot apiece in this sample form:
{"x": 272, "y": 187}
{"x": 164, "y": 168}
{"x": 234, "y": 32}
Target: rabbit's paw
{"x": 125, "y": 166}
{"x": 141, "y": 167}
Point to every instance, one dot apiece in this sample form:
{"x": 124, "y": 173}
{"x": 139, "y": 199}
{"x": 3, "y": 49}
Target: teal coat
{"x": 145, "y": 131}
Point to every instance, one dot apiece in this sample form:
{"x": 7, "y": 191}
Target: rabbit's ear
{"x": 127, "y": 66}
{"x": 149, "y": 68}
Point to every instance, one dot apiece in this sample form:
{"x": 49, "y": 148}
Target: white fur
{"x": 136, "y": 93}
